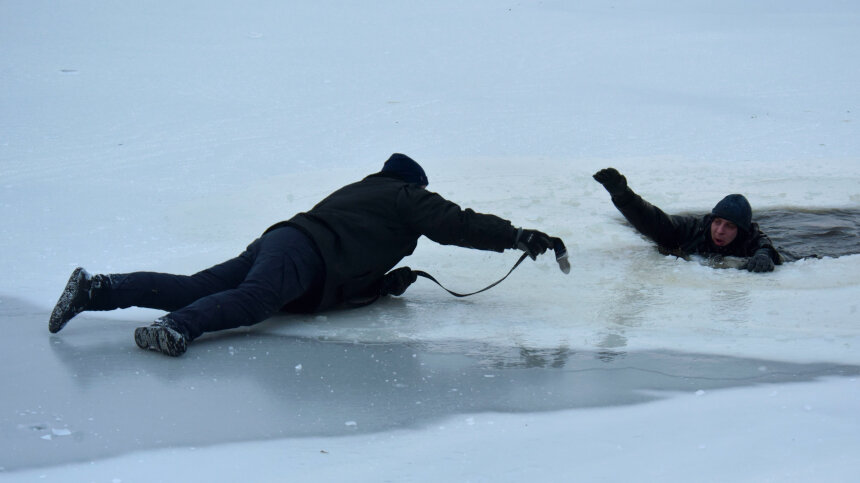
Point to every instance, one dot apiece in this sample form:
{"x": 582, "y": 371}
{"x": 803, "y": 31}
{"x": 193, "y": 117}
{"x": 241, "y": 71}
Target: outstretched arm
{"x": 446, "y": 223}
{"x": 668, "y": 231}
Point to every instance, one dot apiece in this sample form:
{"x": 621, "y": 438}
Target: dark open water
{"x": 801, "y": 234}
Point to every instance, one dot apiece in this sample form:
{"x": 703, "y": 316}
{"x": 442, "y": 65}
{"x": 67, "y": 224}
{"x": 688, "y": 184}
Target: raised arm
{"x": 668, "y": 231}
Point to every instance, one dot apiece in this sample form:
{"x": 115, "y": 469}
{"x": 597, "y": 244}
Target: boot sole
{"x": 161, "y": 339}
{"x": 63, "y": 311}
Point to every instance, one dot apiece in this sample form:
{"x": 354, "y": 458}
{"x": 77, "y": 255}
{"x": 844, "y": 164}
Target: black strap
{"x": 430, "y": 277}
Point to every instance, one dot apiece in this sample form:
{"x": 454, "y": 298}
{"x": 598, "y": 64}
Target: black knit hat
{"x": 406, "y": 169}
{"x": 736, "y": 209}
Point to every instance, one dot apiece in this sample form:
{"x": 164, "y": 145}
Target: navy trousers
{"x": 277, "y": 268}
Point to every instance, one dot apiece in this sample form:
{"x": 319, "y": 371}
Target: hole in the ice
{"x": 799, "y": 233}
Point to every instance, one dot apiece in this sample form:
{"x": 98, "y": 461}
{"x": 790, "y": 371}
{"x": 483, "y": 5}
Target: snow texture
{"x": 166, "y": 136}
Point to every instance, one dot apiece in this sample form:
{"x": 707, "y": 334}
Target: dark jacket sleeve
{"x": 668, "y": 231}
{"x": 759, "y": 240}
{"x": 446, "y": 223}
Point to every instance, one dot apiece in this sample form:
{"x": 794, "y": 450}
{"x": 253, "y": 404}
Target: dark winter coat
{"x": 684, "y": 234}
{"x": 364, "y": 229}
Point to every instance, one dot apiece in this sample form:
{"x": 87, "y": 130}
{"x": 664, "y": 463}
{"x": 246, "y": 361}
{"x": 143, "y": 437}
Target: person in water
{"x": 727, "y": 231}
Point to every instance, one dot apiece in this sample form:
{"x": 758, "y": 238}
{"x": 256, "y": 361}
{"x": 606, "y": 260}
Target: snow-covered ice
{"x": 166, "y": 136}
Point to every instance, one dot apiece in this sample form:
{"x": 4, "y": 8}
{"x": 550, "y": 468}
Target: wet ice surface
{"x": 98, "y": 396}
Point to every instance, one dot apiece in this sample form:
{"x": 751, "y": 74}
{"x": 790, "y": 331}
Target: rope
{"x": 430, "y": 277}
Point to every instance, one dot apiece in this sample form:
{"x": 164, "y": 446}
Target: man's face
{"x": 723, "y": 232}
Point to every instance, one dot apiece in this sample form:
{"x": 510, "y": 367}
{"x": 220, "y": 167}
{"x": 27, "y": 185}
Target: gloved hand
{"x": 397, "y": 281}
{"x": 614, "y": 182}
{"x": 759, "y": 262}
{"x": 532, "y": 242}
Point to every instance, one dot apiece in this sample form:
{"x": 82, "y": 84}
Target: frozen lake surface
{"x": 98, "y": 398}
{"x": 166, "y": 137}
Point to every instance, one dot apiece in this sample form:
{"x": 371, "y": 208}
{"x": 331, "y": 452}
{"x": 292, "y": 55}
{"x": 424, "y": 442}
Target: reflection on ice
{"x": 613, "y": 341}
{"x": 730, "y": 304}
{"x": 629, "y": 301}
{"x": 111, "y": 398}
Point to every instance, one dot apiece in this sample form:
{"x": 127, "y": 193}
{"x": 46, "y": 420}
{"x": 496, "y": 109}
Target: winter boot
{"x": 164, "y": 335}
{"x": 74, "y": 300}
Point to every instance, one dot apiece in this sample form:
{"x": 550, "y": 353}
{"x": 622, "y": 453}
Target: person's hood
{"x": 405, "y": 168}
{"x": 736, "y": 209}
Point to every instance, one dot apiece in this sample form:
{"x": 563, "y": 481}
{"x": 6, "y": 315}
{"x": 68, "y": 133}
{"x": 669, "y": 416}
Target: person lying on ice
{"x": 336, "y": 254}
{"x": 727, "y": 230}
